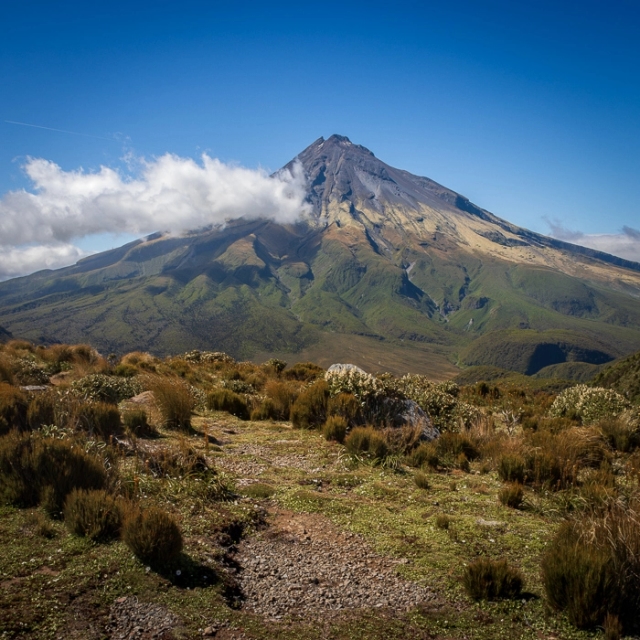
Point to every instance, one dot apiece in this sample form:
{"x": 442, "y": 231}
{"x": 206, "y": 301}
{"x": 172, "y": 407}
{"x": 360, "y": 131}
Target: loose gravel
{"x": 133, "y": 620}
{"x": 304, "y": 568}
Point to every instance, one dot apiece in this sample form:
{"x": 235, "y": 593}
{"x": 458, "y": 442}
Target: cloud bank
{"x": 625, "y": 244}
{"x": 170, "y": 194}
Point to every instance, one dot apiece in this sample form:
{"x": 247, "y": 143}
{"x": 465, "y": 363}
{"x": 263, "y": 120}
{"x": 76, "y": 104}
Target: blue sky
{"x": 531, "y": 110}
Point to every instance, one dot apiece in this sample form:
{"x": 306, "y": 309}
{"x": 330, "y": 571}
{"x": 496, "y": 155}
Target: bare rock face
{"x": 409, "y": 414}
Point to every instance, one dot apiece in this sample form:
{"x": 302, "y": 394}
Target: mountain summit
{"x": 389, "y": 270}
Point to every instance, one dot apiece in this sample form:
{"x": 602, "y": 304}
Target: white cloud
{"x": 16, "y": 261}
{"x": 170, "y": 194}
{"x": 624, "y": 245}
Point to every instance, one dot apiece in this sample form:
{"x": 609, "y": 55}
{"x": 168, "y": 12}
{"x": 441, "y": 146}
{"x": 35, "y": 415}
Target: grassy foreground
{"x": 435, "y": 508}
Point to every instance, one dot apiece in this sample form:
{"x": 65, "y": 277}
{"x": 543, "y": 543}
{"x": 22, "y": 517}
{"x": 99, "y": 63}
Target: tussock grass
{"x": 175, "y": 402}
{"x": 487, "y": 579}
{"x": 152, "y": 534}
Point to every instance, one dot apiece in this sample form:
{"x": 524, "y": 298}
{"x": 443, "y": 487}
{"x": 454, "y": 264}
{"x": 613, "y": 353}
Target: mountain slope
{"x": 416, "y": 274}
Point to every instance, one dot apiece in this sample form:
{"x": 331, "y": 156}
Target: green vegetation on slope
{"x": 623, "y": 376}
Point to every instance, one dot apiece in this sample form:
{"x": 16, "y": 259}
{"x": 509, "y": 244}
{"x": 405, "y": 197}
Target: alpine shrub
{"x": 335, "y": 428}
{"x": 229, "y": 401}
{"x": 100, "y": 419}
{"x": 13, "y": 408}
{"x": 304, "y": 371}
{"x": 487, "y": 579}
{"x": 309, "y": 411}
{"x": 345, "y": 405}
{"x": 512, "y": 495}
{"x": 137, "y": 424}
{"x": 366, "y": 441}
{"x": 38, "y": 470}
{"x": 175, "y": 403}
{"x": 153, "y": 535}
{"x": 93, "y": 514}
{"x": 511, "y": 468}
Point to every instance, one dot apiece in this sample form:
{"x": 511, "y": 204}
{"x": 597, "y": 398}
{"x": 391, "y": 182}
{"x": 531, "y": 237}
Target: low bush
{"x": 368, "y": 442}
{"x": 28, "y": 371}
{"x": 42, "y": 410}
{"x": 345, "y": 405}
{"x": 592, "y": 567}
{"x": 229, "y": 401}
{"x": 276, "y": 365}
{"x": 443, "y": 521}
{"x": 175, "y": 402}
{"x": 99, "y": 419}
{"x": 335, "y": 428}
{"x": 153, "y": 535}
{"x": 282, "y": 396}
{"x": 13, "y": 408}
{"x": 103, "y": 388}
{"x": 137, "y": 424}
{"x": 93, "y": 514}
{"x": 422, "y": 480}
{"x": 450, "y": 445}
{"x": 487, "y": 579}
{"x": 304, "y": 371}
{"x": 588, "y": 404}
{"x": 425, "y": 454}
{"x": 45, "y": 470}
{"x": 309, "y": 411}
{"x": 512, "y": 495}
{"x": 511, "y": 468}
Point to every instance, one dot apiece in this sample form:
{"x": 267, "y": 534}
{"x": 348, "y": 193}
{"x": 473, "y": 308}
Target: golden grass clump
{"x": 93, "y": 514}
{"x": 335, "y": 428}
{"x": 592, "y": 568}
{"x": 175, "y": 402}
{"x": 487, "y": 579}
{"x": 13, "y": 408}
{"x": 309, "y": 411}
{"x": 153, "y": 535}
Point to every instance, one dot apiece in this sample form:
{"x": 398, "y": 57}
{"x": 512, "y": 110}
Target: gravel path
{"x": 133, "y": 620}
{"x": 302, "y": 567}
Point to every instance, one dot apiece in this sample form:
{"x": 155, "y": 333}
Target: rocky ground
{"x": 301, "y": 566}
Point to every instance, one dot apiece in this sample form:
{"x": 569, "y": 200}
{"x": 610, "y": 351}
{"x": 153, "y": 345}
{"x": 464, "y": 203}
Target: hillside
{"x": 623, "y": 376}
{"x": 412, "y": 273}
{"x": 195, "y": 496}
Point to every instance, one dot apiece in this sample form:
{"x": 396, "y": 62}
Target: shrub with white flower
{"x": 438, "y": 400}
{"x": 100, "y": 387}
{"x": 355, "y": 381}
{"x": 589, "y": 404}
{"x": 208, "y": 356}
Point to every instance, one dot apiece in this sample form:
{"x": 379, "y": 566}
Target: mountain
{"x": 390, "y": 270}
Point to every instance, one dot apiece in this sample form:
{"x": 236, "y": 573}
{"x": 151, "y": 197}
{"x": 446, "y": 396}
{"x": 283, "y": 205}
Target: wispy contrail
{"x": 73, "y": 133}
